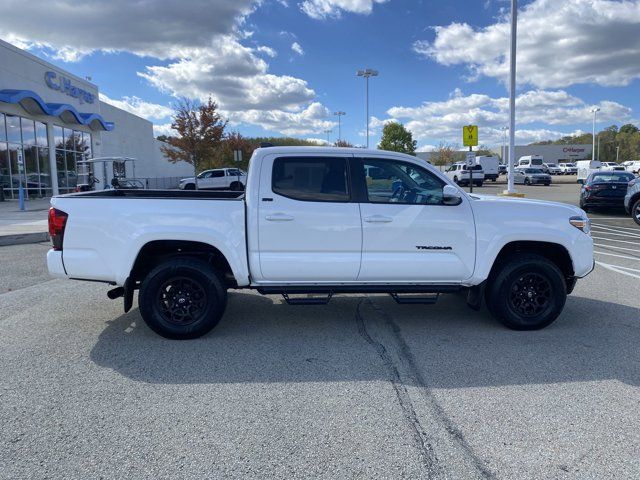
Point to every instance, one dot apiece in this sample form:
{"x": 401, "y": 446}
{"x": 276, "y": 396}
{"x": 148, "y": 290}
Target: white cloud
{"x": 319, "y": 141}
{"x": 297, "y": 48}
{"x": 443, "y": 120}
{"x": 560, "y": 43}
{"x": 267, "y": 51}
{"x": 163, "y": 129}
{"x": 312, "y": 119}
{"x": 167, "y": 27}
{"x": 321, "y": 9}
{"x": 375, "y": 126}
{"x": 137, "y": 106}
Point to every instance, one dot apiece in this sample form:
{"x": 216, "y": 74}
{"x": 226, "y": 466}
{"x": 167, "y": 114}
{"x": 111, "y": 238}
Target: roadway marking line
{"x": 603, "y": 231}
{"x": 616, "y": 269}
{"x": 130, "y": 328}
{"x": 617, "y": 227}
{"x": 616, "y": 240}
{"x": 618, "y": 256}
{"x": 616, "y": 248}
{"x": 635, "y": 270}
{"x": 615, "y": 231}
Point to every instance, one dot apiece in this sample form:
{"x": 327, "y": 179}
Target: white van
{"x": 586, "y": 168}
{"x": 531, "y": 161}
{"x": 632, "y": 166}
{"x": 489, "y": 166}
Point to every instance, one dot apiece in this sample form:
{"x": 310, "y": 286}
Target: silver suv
{"x": 632, "y": 200}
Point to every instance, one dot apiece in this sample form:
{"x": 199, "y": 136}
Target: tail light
{"x": 57, "y": 222}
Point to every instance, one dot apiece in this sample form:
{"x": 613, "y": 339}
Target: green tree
{"x": 396, "y": 138}
{"x": 629, "y": 128}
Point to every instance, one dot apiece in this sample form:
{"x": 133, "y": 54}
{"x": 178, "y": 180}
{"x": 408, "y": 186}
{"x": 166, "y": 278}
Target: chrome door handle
{"x": 378, "y": 219}
{"x": 279, "y": 217}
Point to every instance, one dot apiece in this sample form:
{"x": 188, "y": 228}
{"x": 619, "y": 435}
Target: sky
{"x": 283, "y": 67}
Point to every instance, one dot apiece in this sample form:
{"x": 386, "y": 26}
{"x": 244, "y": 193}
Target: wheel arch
{"x": 554, "y": 252}
{"x": 154, "y": 252}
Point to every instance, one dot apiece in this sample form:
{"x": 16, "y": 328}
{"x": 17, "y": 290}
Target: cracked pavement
{"x": 359, "y": 388}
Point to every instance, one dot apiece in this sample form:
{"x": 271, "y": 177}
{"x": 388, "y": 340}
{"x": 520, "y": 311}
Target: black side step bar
{"x": 308, "y": 300}
{"x": 415, "y": 300}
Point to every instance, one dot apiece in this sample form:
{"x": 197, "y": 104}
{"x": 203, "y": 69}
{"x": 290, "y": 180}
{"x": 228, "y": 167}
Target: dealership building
{"x": 51, "y": 119}
{"x": 551, "y": 153}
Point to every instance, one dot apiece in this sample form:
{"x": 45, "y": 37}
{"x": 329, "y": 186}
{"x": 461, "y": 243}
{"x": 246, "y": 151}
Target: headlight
{"x": 581, "y": 223}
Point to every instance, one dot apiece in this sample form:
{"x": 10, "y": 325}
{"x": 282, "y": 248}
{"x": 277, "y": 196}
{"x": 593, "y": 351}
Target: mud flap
{"x": 128, "y": 294}
{"x": 474, "y": 296}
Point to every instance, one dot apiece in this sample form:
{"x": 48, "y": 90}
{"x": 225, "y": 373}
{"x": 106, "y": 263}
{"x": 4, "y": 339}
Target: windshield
{"x": 533, "y": 170}
{"x": 553, "y": 165}
{"x": 536, "y": 161}
{"x": 612, "y": 177}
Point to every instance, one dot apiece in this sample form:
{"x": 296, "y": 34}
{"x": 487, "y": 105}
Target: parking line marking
{"x": 617, "y": 227}
{"x": 614, "y": 268}
{"x": 616, "y": 248}
{"x": 615, "y": 240}
{"x": 635, "y": 270}
{"x": 614, "y": 231}
{"x": 618, "y": 256}
{"x": 130, "y": 328}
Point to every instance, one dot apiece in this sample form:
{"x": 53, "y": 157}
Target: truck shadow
{"x": 449, "y": 345}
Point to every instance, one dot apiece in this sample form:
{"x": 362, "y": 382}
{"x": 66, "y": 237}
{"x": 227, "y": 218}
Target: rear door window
{"x": 315, "y": 179}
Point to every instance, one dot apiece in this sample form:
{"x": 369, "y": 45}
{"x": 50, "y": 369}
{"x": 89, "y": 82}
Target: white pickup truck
{"x": 322, "y": 221}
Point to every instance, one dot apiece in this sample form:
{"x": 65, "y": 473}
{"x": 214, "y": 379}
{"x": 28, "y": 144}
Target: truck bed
{"x": 159, "y": 194}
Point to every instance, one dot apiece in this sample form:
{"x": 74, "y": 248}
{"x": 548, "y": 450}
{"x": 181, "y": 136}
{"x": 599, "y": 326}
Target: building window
{"x": 21, "y": 136}
{"x": 72, "y": 146}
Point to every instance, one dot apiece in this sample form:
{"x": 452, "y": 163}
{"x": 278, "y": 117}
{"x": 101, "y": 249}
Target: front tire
{"x": 190, "y": 186}
{"x": 182, "y": 298}
{"x": 527, "y": 293}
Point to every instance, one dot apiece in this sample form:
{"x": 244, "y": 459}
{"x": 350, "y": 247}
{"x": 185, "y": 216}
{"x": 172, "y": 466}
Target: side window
{"x": 391, "y": 181}
{"x": 311, "y": 179}
{"x": 217, "y": 173}
{"x": 205, "y": 174}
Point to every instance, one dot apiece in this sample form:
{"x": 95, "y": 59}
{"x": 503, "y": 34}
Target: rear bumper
{"x": 603, "y": 202}
{"x": 55, "y": 264}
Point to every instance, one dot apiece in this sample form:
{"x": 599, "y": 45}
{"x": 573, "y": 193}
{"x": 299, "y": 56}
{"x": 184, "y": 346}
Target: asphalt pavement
{"x": 359, "y": 388}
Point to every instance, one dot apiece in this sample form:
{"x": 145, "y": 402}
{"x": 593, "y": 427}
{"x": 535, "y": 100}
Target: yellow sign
{"x": 470, "y": 135}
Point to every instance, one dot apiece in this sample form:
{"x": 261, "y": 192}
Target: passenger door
{"x": 408, "y": 234}
{"x": 218, "y": 179}
{"x": 309, "y": 226}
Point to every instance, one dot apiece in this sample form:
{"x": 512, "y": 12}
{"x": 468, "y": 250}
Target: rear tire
{"x": 527, "y": 293}
{"x": 635, "y": 212}
{"x": 236, "y": 187}
{"x": 182, "y": 298}
{"x": 526, "y": 181}
{"x": 190, "y": 186}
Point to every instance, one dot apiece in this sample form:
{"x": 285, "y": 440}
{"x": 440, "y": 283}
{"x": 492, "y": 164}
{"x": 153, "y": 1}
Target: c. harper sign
{"x": 572, "y": 150}
{"x": 64, "y": 85}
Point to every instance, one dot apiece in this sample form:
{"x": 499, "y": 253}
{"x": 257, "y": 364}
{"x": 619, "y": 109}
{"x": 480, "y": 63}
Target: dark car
{"x": 605, "y": 189}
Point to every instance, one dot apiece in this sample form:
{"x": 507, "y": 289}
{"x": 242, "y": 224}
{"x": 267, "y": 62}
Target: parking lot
{"x": 362, "y": 387}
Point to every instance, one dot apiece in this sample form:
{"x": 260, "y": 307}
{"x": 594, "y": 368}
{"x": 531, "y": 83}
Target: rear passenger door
{"x": 308, "y": 223}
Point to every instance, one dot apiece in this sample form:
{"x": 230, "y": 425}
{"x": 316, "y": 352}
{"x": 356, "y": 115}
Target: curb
{"x": 24, "y": 238}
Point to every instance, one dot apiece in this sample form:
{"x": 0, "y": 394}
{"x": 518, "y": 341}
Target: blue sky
{"x": 282, "y": 67}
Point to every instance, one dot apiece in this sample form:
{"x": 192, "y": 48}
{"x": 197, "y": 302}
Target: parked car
{"x": 312, "y": 222}
{"x": 604, "y": 189}
{"x": 531, "y": 176}
{"x": 502, "y": 169}
{"x": 632, "y": 199}
{"x": 568, "y": 169}
{"x": 216, "y": 179}
{"x": 489, "y": 167}
{"x": 551, "y": 169}
{"x": 632, "y": 166}
{"x": 611, "y": 167}
{"x": 459, "y": 173}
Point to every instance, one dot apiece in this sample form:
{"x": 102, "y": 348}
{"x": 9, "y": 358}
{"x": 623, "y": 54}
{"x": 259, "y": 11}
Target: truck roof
{"x": 319, "y": 149}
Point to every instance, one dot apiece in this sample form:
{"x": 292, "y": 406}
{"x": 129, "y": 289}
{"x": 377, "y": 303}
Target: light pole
{"x": 366, "y": 73}
{"x": 339, "y": 114}
{"x": 504, "y": 143}
{"x": 595, "y": 111}
{"x": 617, "y": 153}
{"x": 328, "y": 132}
{"x": 512, "y": 97}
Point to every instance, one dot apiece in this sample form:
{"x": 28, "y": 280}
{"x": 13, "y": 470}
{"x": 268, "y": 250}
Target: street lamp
{"x": 595, "y": 111}
{"x": 504, "y": 143}
{"x": 512, "y": 97}
{"x": 328, "y": 132}
{"x": 366, "y": 73}
{"x": 339, "y": 114}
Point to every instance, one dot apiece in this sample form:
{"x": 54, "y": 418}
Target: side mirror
{"x": 451, "y": 196}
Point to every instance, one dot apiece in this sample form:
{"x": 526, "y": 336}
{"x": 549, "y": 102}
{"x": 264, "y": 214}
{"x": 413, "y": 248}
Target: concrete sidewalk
{"x": 28, "y": 226}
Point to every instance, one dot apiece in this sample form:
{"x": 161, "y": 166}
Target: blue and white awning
{"x": 33, "y": 104}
